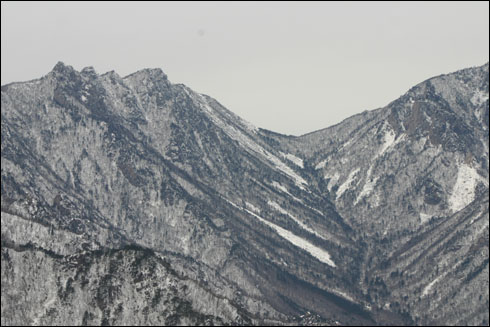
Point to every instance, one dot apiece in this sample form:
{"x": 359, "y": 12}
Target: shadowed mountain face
{"x": 136, "y": 201}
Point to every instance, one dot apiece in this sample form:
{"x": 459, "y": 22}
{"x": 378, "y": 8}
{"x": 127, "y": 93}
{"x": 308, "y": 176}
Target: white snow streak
{"x": 291, "y": 157}
{"x": 249, "y": 144}
{"x": 321, "y": 164}
{"x": 342, "y": 188}
{"x": 297, "y": 241}
{"x": 277, "y": 207}
{"x": 342, "y": 294}
{"x": 368, "y": 186}
{"x": 315, "y": 251}
{"x": 389, "y": 143}
{"x": 299, "y": 181}
{"x": 252, "y": 207}
{"x": 346, "y": 144}
{"x": 400, "y": 138}
{"x": 280, "y": 187}
{"x": 285, "y": 190}
{"x": 429, "y": 286}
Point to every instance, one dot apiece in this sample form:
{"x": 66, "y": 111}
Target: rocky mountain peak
{"x": 61, "y": 69}
{"x": 153, "y": 74}
{"x": 89, "y": 71}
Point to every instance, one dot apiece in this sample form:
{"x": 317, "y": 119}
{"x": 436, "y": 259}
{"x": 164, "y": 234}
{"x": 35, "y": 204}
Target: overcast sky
{"x": 289, "y": 67}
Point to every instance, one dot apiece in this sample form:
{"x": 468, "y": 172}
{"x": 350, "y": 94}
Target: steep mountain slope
{"x": 396, "y": 172}
{"x": 106, "y": 162}
{"x": 134, "y": 200}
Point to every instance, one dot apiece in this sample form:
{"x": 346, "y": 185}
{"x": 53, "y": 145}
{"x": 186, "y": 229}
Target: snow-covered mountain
{"x": 137, "y": 201}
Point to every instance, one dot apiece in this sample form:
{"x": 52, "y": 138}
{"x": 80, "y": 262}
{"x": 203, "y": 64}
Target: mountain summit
{"x": 132, "y": 200}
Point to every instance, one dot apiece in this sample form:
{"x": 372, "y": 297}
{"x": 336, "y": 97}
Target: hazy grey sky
{"x": 289, "y": 67}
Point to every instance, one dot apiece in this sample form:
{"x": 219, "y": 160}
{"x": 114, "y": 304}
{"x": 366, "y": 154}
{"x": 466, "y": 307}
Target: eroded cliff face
{"x": 135, "y": 200}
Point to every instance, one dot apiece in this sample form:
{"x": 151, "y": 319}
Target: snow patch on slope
{"x": 291, "y": 157}
{"x": 463, "y": 192}
{"x": 297, "y": 241}
{"x": 285, "y": 190}
{"x": 368, "y": 186}
{"x": 389, "y": 140}
{"x": 248, "y": 143}
{"x": 429, "y": 286}
{"x": 333, "y": 180}
{"x": 388, "y": 144}
{"x": 479, "y": 97}
{"x": 424, "y": 217}
{"x": 299, "y": 181}
{"x": 342, "y": 188}
{"x": 313, "y": 250}
{"x": 281, "y": 188}
{"x": 252, "y": 207}
{"x": 344, "y": 295}
{"x": 277, "y": 207}
{"x": 321, "y": 164}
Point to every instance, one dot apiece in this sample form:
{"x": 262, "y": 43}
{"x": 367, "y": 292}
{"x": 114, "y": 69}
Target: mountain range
{"x": 132, "y": 200}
